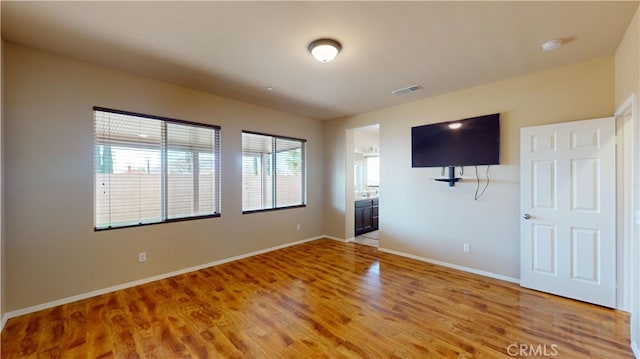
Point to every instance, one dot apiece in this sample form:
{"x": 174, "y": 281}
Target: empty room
{"x": 320, "y": 179}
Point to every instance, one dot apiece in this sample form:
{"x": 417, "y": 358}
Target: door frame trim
{"x": 630, "y": 291}
{"x": 627, "y": 234}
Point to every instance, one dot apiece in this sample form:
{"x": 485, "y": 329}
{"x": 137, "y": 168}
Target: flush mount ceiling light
{"x": 551, "y": 45}
{"x": 324, "y": 50}
{"x": 406, "y": 90}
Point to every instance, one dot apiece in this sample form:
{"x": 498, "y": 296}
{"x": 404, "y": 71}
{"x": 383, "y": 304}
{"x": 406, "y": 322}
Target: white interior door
{"x": 568, "y": 194}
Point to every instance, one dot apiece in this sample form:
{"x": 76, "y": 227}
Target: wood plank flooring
{"x": 321, "y": 299}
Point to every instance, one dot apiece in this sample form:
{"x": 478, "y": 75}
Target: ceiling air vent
{"x": 402, "y": 91}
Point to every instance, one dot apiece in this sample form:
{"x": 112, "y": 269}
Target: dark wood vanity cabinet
{"x": 366, "y": 216}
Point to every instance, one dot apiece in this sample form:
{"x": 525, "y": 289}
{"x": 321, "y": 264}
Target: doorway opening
{"x": 366, "y": 185}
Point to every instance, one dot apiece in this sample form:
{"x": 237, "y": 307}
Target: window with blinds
{"x": 273, "y": 172}
{"x": 149, "y": 169}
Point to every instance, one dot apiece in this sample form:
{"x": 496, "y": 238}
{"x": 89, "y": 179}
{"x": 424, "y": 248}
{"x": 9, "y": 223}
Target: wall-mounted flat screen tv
{"x": 469, "y": 142}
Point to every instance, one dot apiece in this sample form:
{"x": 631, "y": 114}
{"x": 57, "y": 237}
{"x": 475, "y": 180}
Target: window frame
{"x": 165, "y": 148}
{"x": 273, "y": 167}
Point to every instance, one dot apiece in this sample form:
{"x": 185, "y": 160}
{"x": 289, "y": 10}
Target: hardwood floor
{"x": 322, "y": 299}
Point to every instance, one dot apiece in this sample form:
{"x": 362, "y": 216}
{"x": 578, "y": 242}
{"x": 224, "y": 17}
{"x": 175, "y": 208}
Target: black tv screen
{"x": 470, "y": 142}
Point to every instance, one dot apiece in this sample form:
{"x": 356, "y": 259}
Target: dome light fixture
{"x": 551, "y": 45}
{"x": 324, "y": 50}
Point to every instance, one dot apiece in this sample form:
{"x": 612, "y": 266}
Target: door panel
{"x": 544, "y": 185}
{"x": 545, "y": 249}
{"x": 585, "y": 251}
{"x": 585, "y": 185}
{"x": 568, "y": 204}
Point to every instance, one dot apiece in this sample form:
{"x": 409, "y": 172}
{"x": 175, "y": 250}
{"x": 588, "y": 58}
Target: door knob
{"x": 526, "y": 216}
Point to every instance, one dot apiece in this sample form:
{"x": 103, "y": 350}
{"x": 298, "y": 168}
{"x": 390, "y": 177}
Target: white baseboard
{"x": 55, "y": 303}
{"x": 635, "y": 346}
{"x": 454, "y": 266}
{"x": 3, "y": 321}
{"x": 337, "y": 239}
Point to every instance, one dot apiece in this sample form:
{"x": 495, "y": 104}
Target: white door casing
{"x": 568, "y": 209}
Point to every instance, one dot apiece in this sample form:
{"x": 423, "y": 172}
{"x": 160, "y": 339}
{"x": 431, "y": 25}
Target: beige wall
{"x": 52, "y": 250}
{"x": 627, "y": 58}
{"x": 429, "y": 219}
{"x": 627, "y": 82}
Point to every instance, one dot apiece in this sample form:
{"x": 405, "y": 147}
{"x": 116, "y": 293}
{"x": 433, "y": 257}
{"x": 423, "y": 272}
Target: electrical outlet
{"x": 467, "y": 247}
{"x": 142, "y": 257}
{"x": 297, "y": 227}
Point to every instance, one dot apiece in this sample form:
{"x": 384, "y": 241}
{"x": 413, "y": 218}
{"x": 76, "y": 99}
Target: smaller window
{"x": 373, "y": 170}
{"x": 273, "y": 172}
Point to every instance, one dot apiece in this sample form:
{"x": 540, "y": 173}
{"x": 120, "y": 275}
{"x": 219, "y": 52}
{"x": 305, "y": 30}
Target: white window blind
{"x": 273, "y": 172}
{"x": 150, "y": 169}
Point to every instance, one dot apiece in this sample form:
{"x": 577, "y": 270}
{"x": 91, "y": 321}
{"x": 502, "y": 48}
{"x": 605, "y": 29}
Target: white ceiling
{"x": 237, "y": 49}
